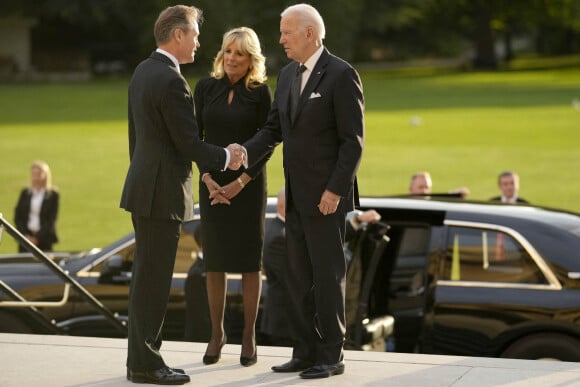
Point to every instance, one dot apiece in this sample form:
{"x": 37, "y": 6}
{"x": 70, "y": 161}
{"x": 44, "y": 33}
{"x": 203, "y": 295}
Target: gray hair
{"x": 424, "y": 174}
{"x": 308, "y": 17}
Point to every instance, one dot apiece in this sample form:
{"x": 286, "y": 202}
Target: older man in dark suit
{"x": 163, "y": 142}
{"x": 318, "y": 114}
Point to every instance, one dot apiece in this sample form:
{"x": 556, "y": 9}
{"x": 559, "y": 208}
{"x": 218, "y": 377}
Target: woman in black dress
{"x": 231, "y": 106}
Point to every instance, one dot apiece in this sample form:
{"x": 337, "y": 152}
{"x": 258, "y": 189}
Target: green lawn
{"x": 472, "y": 126}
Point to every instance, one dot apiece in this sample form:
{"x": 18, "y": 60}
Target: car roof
{"x": 458, "y": 209}
{"x": 555, "y": 233}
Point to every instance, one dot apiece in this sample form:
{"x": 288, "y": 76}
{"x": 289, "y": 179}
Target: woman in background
{"x": 37, "y": 209}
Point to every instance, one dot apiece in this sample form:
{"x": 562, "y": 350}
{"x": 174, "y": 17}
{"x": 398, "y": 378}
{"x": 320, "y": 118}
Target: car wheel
{"x": 545, "y": 346}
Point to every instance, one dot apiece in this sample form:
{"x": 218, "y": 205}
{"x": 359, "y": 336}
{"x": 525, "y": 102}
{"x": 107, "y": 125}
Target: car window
{"x": 126, "y": 255}
{"x": 485, "y": 255}
{"x": 411, "y": 252}
{"x": 188, "y": 250}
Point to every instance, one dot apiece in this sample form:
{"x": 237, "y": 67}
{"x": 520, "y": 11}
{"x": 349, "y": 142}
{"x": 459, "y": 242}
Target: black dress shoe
{"x": 164, "y": 375}
{"x": 212, "y": 359}
{"x": 249, "y": 361}
{"x": 176, "y": 370}
{"x": 294, "y": 365}
{"x": 323, "y": 371}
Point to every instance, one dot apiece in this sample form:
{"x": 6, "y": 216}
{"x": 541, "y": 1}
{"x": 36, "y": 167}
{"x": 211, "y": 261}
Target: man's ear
{"x": 178, "y": 34}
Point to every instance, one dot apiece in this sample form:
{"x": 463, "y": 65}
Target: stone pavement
{"x": 37, "y": 360}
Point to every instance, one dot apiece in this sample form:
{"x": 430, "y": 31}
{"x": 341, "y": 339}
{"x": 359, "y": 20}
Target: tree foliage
{"x": 358, "y": 30}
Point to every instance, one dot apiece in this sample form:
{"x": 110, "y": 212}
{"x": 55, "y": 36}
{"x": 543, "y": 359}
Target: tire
{"x": 545, "y": 346}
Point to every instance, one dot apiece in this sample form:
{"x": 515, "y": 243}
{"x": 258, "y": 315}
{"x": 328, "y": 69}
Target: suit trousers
{"x": 155, "y": 248}
{"x": 316, "y": 270}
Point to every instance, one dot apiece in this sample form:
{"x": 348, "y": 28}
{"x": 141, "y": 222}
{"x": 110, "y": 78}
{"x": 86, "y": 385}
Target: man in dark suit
{"x": 274, "y": 322}
{"x": 323, "y": 141}
{"x": 509, "y": 185}
{"x": 163, "y": 142}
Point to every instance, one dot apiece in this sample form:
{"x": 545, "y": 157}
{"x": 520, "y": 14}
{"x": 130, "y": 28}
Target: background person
{"x": 231, "y": 106}
{"x": 274, "y": 321}
{"x": 421, "y": 185}
{"x": 318, "y": 113}
{"x": 509, "y": 185}
{"x": 163, "y": 141}
{"x": 356, "y": 218}
{"x": 37, "y": 209}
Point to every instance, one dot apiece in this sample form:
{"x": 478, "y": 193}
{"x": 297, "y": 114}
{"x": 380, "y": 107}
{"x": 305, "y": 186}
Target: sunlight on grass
{"x": 464, "y": 128}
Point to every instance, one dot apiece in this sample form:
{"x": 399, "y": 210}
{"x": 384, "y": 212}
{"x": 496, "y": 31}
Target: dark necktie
{"x": 295, "y": 90}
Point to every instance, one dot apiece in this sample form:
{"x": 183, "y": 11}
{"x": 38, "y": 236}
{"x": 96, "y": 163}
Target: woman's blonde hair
{"x": 46, "y": 170}
{"x": 249, "y": 43}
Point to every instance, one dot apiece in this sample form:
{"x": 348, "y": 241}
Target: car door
{"x": 490, "y": 284}
{"x": 408, "y": 250}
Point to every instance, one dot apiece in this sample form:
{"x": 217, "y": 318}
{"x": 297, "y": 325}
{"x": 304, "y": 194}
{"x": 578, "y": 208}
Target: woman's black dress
{"x": 232, "y": 235}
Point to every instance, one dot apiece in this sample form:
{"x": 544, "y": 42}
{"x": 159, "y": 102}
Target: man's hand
{"x": 237, "y": 156}
{"x": 463, "y": 191}
{"x": 328, "y": 203}
{"x": 368, "y": 216}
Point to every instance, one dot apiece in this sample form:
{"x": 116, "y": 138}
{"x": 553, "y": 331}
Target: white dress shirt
{"x": 309, "y": 64}
{"x": 35, "y": 207}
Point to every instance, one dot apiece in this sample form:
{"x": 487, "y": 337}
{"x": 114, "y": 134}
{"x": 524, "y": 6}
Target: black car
{"x": 459, "y": 278}
{"x": 86, "y": 294}
{"x": 478, "y": 279}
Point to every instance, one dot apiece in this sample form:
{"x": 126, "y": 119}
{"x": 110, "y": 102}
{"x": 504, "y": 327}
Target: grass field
{"x": 472, "y": 125}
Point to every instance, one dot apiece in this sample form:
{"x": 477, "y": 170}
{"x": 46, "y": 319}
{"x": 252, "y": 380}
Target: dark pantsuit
{"x": 150, "y": 285}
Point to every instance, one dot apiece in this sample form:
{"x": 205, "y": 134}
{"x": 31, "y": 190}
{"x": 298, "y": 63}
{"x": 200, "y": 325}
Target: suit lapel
{"x": 288, "y": 77}
{"x": 313, "y": 81}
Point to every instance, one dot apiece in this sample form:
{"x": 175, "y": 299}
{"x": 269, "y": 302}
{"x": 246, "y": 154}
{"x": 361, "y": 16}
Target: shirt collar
{"x": 311, "y": 62}
{"x": 170, "y": 56}
{"x": 513, "y": 199}
{"x": 38, "y": 192}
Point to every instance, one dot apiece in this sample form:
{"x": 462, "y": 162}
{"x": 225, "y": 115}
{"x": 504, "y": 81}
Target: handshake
{"x": 238, "y": 156}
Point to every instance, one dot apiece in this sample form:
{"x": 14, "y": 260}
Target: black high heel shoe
{"x": 248, "y": 361}
{"x": 212, "y": 359}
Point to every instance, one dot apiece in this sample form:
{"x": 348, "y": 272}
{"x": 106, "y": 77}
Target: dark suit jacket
{"x": 323, "y": 147}
{"x": 163, "y": 141}
{"x": 48, "y": 214}
{"x": 518, "y": 199}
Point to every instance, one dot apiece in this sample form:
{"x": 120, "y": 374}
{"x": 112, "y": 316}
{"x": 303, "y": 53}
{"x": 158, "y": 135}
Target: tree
{"x": 357, "y": 30}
